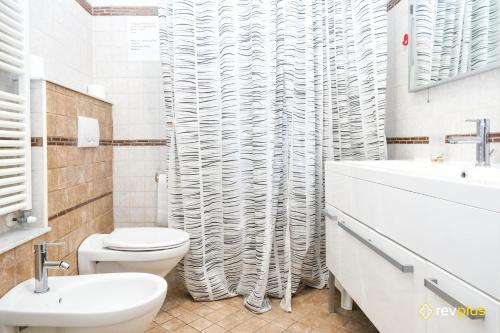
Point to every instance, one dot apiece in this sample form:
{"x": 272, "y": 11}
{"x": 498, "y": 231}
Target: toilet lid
{"x": 145, "y": 239}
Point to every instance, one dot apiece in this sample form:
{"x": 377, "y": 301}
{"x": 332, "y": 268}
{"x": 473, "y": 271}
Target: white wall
{"x": 135, "y": 89}
{"x": 409, "y": 114}
{"x": 61, "y": 33}
{"x": 80, "y": 49}
{"x": 38, "y": 154}
{"x": 134, "y": 186}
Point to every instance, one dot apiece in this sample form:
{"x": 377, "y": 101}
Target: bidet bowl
{"x": 97, "y": 303}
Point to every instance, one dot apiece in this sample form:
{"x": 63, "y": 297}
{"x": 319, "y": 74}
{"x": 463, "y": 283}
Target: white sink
{"x": 99, "y": 303}
{"x": 458, "y": 182}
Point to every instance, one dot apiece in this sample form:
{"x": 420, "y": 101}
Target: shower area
{"x": 258, "y": 95}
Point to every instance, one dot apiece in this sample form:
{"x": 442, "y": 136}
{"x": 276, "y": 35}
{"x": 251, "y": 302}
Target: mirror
{"x": 452, "y": 39}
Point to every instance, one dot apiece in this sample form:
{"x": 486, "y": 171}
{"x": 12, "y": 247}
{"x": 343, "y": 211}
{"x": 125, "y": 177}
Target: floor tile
{"x": 271, "y": 328}
{"x": 214, "y": 329}
{"x": 230, "y": 322}
{"x": 178, "y": 311}
{"x": 157, "y": 329}
{"x": 298, "y": 328}
{"x": 173, "y": 324}
{"x": 201, "y": 323}
{"x": 162, "y": 317}
{"x": 253, "y": 324}
{"x": 188, "y": 317}
{"x": 216, "y": 316}
{"x": 309, "y": 315}
{"x": 187, "y": 329}
{"x": 283, "y": 322}
{"x": 203, "y": 310}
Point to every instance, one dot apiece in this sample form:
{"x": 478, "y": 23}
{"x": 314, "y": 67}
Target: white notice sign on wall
{"x": 143, "y": 38}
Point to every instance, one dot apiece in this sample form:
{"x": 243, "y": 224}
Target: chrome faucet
{"x": 481, "y": 140}
{"x": 42, "y": 265}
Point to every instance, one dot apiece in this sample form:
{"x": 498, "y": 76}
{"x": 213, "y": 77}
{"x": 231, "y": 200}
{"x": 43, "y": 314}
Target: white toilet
{"x": 148, "y": 250}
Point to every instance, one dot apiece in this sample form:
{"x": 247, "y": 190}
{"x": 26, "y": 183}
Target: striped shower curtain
{"x": 261, "y": 93}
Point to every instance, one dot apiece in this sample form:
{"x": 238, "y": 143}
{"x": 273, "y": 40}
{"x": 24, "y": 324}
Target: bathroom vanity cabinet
{"x": 414, "y": 244}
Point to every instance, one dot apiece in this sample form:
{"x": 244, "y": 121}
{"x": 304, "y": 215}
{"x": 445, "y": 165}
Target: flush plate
{"x": 88, "y": 132}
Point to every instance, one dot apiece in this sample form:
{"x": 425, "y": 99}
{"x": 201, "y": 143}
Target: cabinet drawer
{"x": 451, "y": 300}
{"x": 382, "y": 277}
{"x": 461, "y": 239}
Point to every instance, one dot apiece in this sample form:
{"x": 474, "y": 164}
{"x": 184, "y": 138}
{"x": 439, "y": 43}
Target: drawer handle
{"x": 391, "y": 260}
{"x": 432, "y": 285}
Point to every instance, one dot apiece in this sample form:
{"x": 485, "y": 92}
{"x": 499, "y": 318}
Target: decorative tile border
{"x": 412, "y": 140}
{"x": 158, "y": 142}
{"x": 105, "y": 142}
{"x": 36, "y": 142}
{"x": 60, "y": 141}
{"x": 69, "y": 210}
{"x": 493, "y": 138}
{"x": 125, "y": 11}
{"x": 118, "y": 10}
{"x": 85, "y": 5}
{"x": 391, "y": 4}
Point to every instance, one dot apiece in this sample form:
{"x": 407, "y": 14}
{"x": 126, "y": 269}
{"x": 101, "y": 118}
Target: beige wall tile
{"x": 57, "y": 201}
{"x": 83, "y": 107}
{"x": 75, "y": 176}
{"x": 75, "y": 156}
{"x": 61, "y": 156}
{"x": 24, "y": 262}
{"x": 71, "y": 104}
{"x": 51, "y": 101}
{"x": 60, "y": 103}
{"x": 52, "y": 180}
{"x": 51, "y": 157}
{"x": 70, "y": 127}
{"x": 103, "y": 205}
{"x": 57, "y": 179}
{"x": 8, "y": 278}
{"x": 78, "y": 194}
{"x": 52, "y": 129}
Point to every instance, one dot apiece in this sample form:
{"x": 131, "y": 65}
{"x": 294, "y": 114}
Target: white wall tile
{"x": 121, "y": 199}
{"x": 61, "y": 33}
{"x": 135, "y": 189}
{"x": 137, "y": 214}
{"x": 134, "y": 87}
{"x": 121, "y": 215}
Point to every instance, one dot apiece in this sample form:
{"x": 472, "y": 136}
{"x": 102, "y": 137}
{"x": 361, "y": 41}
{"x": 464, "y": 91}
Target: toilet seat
{"x": 145, "y": 239}
{"x": 94, "y": 257}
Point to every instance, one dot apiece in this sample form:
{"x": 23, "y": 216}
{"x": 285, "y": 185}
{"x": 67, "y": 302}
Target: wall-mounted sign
{"x": 143, "y": 38}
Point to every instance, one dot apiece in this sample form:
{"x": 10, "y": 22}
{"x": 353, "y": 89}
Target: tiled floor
{"x": 310, "y": 314}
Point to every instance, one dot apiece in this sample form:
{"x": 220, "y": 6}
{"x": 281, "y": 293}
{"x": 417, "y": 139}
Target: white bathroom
{"x": 295, "y": 166}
